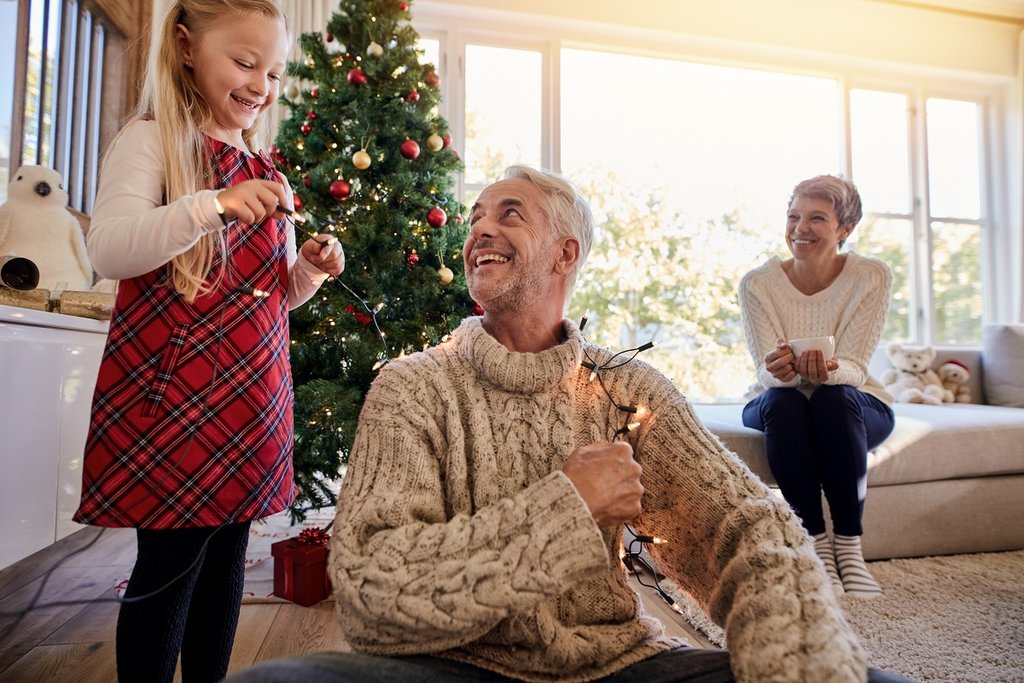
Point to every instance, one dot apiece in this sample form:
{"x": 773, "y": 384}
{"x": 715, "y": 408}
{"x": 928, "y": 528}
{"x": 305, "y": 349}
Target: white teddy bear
{"x": 911, "y": 379}
{"x": 954, "y": 376}
{"x": 35, "y": 224}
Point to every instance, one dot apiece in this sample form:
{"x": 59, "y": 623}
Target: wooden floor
{"x": 73, "y": 642}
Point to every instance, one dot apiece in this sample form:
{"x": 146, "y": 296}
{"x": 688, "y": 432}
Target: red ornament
{"x": 477, "y": 309}
{"x": 403, "y": 7}
{"x": 356, "y": 77}
{"x": 340, "y": 190}
{"x": 413, "y": 258}
{"x": 447, "y": 140}
{"x": 306, "y": 129}
{"x": 314, "y": 93}
{"x": 432, "y": 80}
{"x": 297, "y": 202}
{"x": 359, "y": 315}
{"x": 311, "y": 115}
{"x": 276, "y": 155}
{"x": 409, "y": 149}
{"x": 458, "y": 218}
{"x": 307, "y": 181}
{"x": 328, "y": 37}
{"x": 414, "y": 96}
{"x": 437, "y": 217}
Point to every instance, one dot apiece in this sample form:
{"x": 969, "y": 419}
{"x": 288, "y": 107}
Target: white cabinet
{"x": 48, "y": 366}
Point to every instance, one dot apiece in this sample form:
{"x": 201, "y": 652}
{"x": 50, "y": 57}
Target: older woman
{"x": 820, "y": 416}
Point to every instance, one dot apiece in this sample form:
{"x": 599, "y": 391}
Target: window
{"x": 689, "y": 166}
{"x": 503, "y": 112}
{"x": 937, "y": 280}
{"x": 689, "y": 192}
{"x": 72, "y": 85}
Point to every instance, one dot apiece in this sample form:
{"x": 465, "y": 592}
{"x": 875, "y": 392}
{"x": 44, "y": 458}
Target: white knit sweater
{"x": 852, "y": 309}
{"x": 458, "y": 534}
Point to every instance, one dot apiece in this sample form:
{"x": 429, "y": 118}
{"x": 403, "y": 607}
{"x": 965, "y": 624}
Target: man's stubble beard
{"x": 514, "y": 294}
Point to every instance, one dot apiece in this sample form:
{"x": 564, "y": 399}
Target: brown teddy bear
{"x": 954, "y": 376}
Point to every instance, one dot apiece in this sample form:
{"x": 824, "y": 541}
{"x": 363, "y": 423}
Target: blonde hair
{"x": 171, "y": 98}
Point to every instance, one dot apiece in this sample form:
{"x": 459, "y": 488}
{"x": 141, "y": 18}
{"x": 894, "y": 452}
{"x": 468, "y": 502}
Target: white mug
{"x": 827, "y": 345}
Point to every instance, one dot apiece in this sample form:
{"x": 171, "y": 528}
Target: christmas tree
{"x": 371, "y": 162}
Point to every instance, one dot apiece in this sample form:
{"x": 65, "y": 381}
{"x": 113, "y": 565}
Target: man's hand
{"x": 608, "y": 480}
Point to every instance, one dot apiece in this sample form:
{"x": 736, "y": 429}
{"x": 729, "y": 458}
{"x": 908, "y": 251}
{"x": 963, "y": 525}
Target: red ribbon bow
{"x": 314, "y": 537}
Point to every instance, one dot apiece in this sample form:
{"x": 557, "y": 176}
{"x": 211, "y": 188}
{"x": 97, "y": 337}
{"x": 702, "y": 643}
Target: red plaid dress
{"x": 192, "y": 415}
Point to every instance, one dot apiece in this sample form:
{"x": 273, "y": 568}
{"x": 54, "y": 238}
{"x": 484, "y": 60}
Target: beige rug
{"x": 954, "y": 619}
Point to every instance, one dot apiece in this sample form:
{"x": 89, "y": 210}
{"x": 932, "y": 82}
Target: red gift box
{"x": 300, "y": 571}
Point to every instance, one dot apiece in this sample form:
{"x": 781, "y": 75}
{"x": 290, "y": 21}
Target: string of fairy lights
{"x": 631, "y": 554}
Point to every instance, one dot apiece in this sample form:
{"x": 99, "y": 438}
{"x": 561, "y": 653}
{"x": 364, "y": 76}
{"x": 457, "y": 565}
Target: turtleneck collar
{"x": 520, "y": 373}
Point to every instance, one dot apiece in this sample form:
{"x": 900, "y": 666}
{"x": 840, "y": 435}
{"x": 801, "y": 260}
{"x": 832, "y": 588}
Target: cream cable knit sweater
{"x": 852, "y": 308}
{"x": 458, "y": 534}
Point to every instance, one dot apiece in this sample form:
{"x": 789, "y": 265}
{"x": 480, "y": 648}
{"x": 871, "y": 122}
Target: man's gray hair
{"x": 568, "y": 213}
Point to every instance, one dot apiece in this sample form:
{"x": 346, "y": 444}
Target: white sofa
{"x": 950, "y": 478}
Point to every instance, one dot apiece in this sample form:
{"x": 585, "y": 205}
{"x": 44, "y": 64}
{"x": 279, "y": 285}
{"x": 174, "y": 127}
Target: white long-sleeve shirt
{"x": 852, "y": 309}
{"x": 133, "y": 231}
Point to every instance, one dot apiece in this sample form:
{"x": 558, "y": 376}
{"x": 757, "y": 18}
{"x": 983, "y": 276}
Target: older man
{"x": 480, "y": 521}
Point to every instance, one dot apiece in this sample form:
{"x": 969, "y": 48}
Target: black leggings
{"x": 195, "y": 615}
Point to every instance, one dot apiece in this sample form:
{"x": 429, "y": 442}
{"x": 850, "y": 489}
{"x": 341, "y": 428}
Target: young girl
{"x": 191, "y": 430}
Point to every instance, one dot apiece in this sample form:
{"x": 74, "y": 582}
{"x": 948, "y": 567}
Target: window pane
{"x": 689, "y": 168}
{"x": 431, "y": 51}
{"x": 953, "y": 159}
{"x": 8, "y": 28}
{"x": 503, "y": 116}
{"x": 881, "y": 156}
{"x": 956, "y": 275}
{"x": 889, "y": 240}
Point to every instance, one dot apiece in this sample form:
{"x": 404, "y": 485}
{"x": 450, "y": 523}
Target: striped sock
{"x": 823, "y": 548}
{"x": 857, "y": 580}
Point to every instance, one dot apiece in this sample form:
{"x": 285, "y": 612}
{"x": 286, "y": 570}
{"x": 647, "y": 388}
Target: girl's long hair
{"x": 171, "y": 98}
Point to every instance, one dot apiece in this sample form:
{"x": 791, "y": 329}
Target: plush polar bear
{"x": 954, "y": 376}
{"x": 35, "y": 224}
{"x": 911, "y": 379}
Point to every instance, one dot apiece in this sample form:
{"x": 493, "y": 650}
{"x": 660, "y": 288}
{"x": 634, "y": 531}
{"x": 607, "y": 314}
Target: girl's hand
{"x": 252, "y": 201}
{"x": 325, "y": 253}
{"x": 779, "y": 362}
{"x": 812, "y": 366}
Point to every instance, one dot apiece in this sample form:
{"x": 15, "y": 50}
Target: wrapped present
{"x": 300, "y": 568}
{"x": 34, "y": 299}
{"x": 95, "y": 305}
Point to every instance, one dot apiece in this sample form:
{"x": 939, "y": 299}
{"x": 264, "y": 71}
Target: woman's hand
{"x": 251, "y": 201}
{"x": 779, "y": 362}
{"x": 812, "y": 366}
{"x": 325, "y": 253}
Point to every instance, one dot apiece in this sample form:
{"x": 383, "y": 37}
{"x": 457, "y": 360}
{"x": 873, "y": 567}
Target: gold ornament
{"x": 445, "y": 274}
{"x": 435, "y": 142}
{"x": 361, "y": 160}
{"x": 374, "y": 49}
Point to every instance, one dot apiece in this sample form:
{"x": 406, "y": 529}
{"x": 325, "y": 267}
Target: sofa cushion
{"x": 1003, "y": 358}
{"x": 929, "y": 443}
